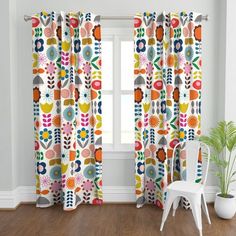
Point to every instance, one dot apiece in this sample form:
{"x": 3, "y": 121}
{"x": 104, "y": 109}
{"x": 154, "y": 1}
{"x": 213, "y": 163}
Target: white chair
{"x": 193, "y": 192}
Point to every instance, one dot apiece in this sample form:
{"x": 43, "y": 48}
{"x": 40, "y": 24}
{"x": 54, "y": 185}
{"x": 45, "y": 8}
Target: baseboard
{"x": 111, "y": 194}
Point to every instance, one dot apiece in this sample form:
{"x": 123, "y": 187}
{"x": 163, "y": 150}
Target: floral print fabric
{"x": 67, "y": 108}
{"x": 167, "y": 93}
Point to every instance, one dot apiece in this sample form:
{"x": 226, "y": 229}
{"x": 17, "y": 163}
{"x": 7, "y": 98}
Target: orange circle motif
{"x": 70, "y": 183}
{"x": 153, "y": 121}
{"x": 192, "y": 121}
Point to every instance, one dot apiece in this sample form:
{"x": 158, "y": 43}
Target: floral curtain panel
{"x": 67, "y": 108}
{"x": 167, "y": 96}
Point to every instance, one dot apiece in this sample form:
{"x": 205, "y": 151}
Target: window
{"x": 118, "y": 105}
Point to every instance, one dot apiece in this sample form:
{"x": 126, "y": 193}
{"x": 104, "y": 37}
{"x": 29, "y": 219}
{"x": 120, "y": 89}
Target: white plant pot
{"x": 225, "y": 207}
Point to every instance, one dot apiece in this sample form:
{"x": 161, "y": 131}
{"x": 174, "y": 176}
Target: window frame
{"x": 117, "y": 35}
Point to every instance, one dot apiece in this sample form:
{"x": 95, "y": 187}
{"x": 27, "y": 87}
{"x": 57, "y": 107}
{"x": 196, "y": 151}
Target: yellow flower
{"x": 46, "y": 107}
{"x": 84, "y": 107}
{"x": 146, "y": 107}
{"x": 183, "y": 107}
{"x": 65, "y": 46}
{"x": 64, "y": 168}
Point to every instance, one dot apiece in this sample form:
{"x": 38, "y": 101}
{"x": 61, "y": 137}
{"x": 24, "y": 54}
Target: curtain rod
{"x": 28, "y": 18}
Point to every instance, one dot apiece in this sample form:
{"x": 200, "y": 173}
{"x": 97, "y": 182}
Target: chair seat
{"x": 185, "y": 186}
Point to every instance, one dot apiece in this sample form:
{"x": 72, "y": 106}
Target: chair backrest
{"x": 192, "y": 151}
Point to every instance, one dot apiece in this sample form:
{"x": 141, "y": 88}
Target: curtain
{"x": 167, "y": 94}
{"x": 67, "y": 108}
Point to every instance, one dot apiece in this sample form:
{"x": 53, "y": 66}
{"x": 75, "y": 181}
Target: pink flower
{"x": 180, "y": 59}
{"x": 87, "y": 185}
{"x": 187, "y": 68}
{"x": 45, "y": 181}
{"x": 80, "y": 60}
{"x": 149, "y": 68}
{"x": 150, "y": 185}
{"x": 55, "y": 186}
{"x": 87, "y": 68}
{"x": 142, "y": 59}
{"x": 67, "y": 129}
{"x": 78, "y": 179}
{"x": 50, "y": 68}
{"x": 42, "y": 59}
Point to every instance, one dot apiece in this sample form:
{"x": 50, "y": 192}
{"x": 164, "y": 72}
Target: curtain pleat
{"x": 67, "y": 108}
{"x": 167, "y": 95}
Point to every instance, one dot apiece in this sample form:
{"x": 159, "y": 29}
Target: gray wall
{"x": 16, "y": 110}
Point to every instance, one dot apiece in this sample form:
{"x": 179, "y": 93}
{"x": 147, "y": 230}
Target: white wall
{"x": 17, "y": 145}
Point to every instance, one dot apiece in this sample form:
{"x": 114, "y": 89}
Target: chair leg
{"x": 169, "y": 201}
{"x": 205, "y": 209}
{"x": 175, "y": 205}
{"x": 196, "y": 210}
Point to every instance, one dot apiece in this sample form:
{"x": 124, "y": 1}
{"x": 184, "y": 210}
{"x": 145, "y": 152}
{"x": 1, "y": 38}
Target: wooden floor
{"x": 107, "y": 220}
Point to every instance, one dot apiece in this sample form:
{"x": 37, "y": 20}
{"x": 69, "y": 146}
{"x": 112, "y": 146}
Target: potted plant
{"x": 222, "y": 141}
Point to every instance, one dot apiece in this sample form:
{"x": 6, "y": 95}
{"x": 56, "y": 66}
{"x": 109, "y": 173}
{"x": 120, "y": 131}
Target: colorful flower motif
{"x": 151, "y": 172}
{"x": 67, "y": 129}
{"x": 78, "y": 179}
{"x": 176, "y": 94}
{"x": 87, "y": 186}
{"x": 161, "y": 155}
{"x": 41, "y": 168}
{"x": 42, "y": 59}
{"x": 55, "y": 186}
{"x": 140, "y": 168}
{"x": 85, "y": 96}
{"x": 192, "y": 121}
{"x": 141, "y": 45}
{"x": 90, "y": 172}
{"x": 82, "y": 134}
{"x": 77, "y": 166}
{"x": 182, "y": 135}
{"x": 45, "y": 135}
{"x": 154, "y": 121}
{"x": 189, "y": 53}
{"x": 55, "y": 173}
{"x": 150, "y": 185}
{"x": 77, "y": 94}
{"x": 149, "y": 68}
{"x": 97, "y": 32}
{"x": 47, "y": 96}
{"x": 184, "y": 95}
{"x": 138, "y": 95}
{"x": 87, "y": 53}
{"x": 198, "y": 33}
{"x": 174, "y": 22}
{"x": 98, "y": 155}
{"x": 64, "y": 73}
{"x": 59, "y": 32}
{"x": 188, "y": 68}
{"x": 36, "y": 94}
{"x": 45, "y": 181}
{"x": 178, "y": 45}
{"x": 50, "y": 68}
{"x": 39, "y": 45}
{"x": 87, "y": 68}
{"x": 52, "y": 53}
{"x": 143, "y": 59}
{"x": 77, "y": 47}
{"x": 159, "y": 33}
{"x": 69, "y": 114}
{"x": 66, "y": 34}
